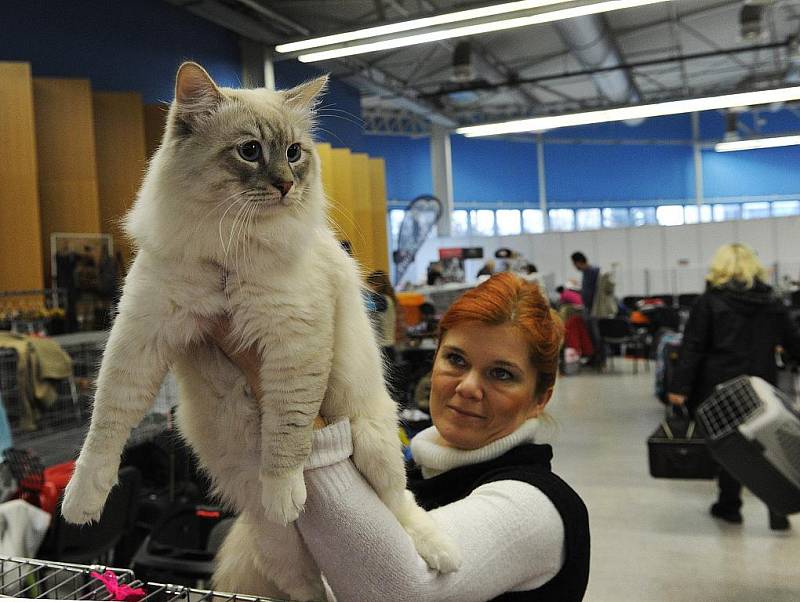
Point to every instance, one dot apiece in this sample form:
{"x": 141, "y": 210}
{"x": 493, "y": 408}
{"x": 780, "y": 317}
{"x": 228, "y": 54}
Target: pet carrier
{"x": 753, "y": 430}
{"x": 37, "y": 579}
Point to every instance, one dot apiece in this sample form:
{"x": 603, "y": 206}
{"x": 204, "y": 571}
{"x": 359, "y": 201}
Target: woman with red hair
{"x": 522, "y": 532}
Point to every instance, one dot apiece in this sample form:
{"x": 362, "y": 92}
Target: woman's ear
{"x": 539, "y": 403}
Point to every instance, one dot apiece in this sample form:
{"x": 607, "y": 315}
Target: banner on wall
{"x": 452, "y": 260}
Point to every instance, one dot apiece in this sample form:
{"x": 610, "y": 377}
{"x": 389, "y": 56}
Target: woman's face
{"x": 482, "y": 386}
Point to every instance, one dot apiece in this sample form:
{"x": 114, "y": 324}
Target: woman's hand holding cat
{"x": 247, "y": 360}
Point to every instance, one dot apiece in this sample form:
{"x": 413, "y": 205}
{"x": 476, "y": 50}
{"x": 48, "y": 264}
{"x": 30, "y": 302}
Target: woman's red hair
{"x": 508, "y": 299}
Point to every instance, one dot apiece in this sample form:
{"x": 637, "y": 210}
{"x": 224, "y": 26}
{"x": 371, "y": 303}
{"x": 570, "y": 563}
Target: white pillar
{"x": 269, "y": 72}
{"x": 542, "y": 181}
{"x": 698, "y": 163}
{"x": 442, "y": 172}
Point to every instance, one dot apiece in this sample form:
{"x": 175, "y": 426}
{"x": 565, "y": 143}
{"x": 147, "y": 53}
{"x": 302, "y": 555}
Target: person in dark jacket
{"x": 591, "y": 276}
{"x": 734, "y": 329}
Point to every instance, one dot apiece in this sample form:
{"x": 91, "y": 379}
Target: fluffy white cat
{"x": 231, "y": 220}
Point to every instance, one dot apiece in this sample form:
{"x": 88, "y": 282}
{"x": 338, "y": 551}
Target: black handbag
{"x": 677, "y": 449}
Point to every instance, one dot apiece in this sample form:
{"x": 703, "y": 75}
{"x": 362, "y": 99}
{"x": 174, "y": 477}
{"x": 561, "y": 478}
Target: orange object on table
{"x": 410, "y": 303}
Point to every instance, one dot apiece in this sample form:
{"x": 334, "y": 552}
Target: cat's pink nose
{"x": 284, "y": 187}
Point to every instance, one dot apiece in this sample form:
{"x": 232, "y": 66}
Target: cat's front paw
{"x": 436, "y": 549}
{"x": 283, "y": 497}
{"x": 87, "y": 491}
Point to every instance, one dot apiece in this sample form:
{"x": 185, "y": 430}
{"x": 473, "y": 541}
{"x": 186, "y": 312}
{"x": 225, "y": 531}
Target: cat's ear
{"x": 195, "y": 91}
{"x": 306, "y": 95}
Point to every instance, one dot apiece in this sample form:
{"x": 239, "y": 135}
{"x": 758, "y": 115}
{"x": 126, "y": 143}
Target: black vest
{"x": 531, "y": 464}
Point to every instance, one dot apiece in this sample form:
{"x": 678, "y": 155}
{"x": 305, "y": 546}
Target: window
{"x": 533, "y": 220}
{"x": 459, "y": 223}
{"x": 669, "y": 215}
{"x": 726, "y": 211}
{"x": 690, "y": 214}
{"x": 588, "y": 219}
{"x": 781, "y": 208}
{"x": 395, "y": 219}
{"x": 509, "y": 222}
{"x": 481, "y": 222}
{"x": 643, "y": 216}
{"x": 616, "y": 217}
{"x": 755, "y": 210}
{"x": 562, "y": 220}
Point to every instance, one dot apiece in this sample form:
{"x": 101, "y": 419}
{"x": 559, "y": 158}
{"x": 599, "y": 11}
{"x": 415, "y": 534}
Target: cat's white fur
{"x": 274, "y": 266}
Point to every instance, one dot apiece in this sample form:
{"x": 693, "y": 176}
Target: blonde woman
{"x": 733, "y": 329}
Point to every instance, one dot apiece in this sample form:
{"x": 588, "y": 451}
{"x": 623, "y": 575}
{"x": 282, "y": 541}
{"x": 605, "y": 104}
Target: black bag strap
{"x": 678, "y": 415}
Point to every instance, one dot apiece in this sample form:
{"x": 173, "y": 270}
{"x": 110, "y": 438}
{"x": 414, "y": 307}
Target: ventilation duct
{"x": 589, "y": 43}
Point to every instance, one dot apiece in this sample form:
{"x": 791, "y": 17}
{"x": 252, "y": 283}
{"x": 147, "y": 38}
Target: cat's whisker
{"x": 343, "y": 118}
{"x": 222, "y": 219}
{"x": 348, "y": 219}
{"x": 248, "y": 224}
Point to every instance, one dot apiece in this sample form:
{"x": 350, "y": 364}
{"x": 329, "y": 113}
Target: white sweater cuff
{"x": 330, "y": 445}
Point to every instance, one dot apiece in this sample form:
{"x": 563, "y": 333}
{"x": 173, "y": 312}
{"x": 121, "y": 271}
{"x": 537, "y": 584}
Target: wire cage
{"x": 731, "y": 404}
{"x": 45, "y": 580}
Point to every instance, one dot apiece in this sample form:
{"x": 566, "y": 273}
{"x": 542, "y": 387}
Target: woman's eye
{"x": 456, "y": 360}
{"x": 501, "y": 374}
{"x": 250, "y": 150}
{"x": 294, "y": 152}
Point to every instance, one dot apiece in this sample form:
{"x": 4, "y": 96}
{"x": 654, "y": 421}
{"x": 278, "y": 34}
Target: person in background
{"x": 385, "y": 324}
{"x": 591, "y": 275}
{"x": 379, "y": 283}
{"x": 568, "y": 296}
{"x": 435, "y": 274}
{"x": 733, "y": 330}
{"x": 487, "y": 269}
{"x": 481, "y": 470}
{"x": 531, "y": 274}
{"x": 589, "y": 282}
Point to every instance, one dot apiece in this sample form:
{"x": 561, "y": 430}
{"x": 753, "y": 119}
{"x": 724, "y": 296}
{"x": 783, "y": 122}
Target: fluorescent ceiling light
{"x": 346, "y": 48}
{"x": 374, "y": 32}
{"x": 675, "y": 107}
{"x": 738, "y": 145}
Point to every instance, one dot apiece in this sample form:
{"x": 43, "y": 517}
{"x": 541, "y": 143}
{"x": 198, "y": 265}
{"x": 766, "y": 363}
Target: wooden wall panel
{"x": 21, "y": 242}
{"x": 155, "y": 118}
{"x": 119, "y": 129}
{"x": 341, "y": 194}
{"x": 380, "y": 242}
{"x": 362, "y": 216}
{"x": 65, "y": 150}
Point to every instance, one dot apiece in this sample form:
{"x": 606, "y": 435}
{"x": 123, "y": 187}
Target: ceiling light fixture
{"x": 381, "y": 30}
{"x": 753, "y": 143}
{"x": 675, "y": 107}
{"x": 487, "y": 19}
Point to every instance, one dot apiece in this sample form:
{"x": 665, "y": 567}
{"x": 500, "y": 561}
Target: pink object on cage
{"x": 119, "y": 591}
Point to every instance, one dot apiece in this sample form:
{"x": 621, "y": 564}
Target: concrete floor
{"x": 653, "y": 539}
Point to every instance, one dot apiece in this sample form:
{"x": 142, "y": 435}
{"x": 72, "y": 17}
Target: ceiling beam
{"x": 371, "y": 78}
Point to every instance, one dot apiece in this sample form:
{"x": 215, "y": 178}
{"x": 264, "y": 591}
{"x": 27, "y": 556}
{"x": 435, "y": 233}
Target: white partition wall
{"x": 649, "y": 259}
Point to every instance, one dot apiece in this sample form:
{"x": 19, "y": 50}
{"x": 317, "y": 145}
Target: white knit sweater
{"x": 510, "y": 534}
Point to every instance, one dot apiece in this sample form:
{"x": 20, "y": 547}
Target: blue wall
{"x": 119, "y": 45}
{"x": 489, "y": 171}
{"x": 137, "y": 46}
{"x": 754, "y": 172}
{"x": 608, "y": 174}
{"x": 408, "y": 164}
{"x": 340, "y": 112}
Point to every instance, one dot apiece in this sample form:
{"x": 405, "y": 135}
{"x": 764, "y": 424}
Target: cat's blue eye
{"x": 294, "y": 152}
{"x": 250, "y": 150}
